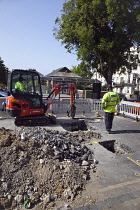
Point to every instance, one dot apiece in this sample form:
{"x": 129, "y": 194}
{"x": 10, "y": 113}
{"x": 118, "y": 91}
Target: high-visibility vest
{"x": 109, "y": 101}
{"x": 20, "y": 86}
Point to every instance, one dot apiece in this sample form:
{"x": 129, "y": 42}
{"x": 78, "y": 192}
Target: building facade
{"x": 127, "y": 83}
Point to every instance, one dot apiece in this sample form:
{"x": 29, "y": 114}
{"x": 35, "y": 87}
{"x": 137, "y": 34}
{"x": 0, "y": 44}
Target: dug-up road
{"x": 116, "y": 183}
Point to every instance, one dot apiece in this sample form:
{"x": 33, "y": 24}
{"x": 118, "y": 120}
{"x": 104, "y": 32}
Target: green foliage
{"x": 82, "y": 70}
{"x": 3, "y": 73}
{"x": 101, "y": 32}
{"x": 104, "y": 88}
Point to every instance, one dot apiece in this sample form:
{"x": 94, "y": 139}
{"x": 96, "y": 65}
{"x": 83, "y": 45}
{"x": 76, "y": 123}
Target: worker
{"x": 109, "y": 102}
{"x": 20, "y": 86}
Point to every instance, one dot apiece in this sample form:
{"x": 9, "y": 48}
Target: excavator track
{"x": 42, "y": 120}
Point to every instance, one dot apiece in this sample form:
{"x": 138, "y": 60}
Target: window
{"x": 128, "y": 79}
{"x": 30, "y": 82}
{"x": 121, "y": 79}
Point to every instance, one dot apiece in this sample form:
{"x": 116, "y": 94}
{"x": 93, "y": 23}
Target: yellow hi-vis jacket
{"x": 20, "y": 86}
{"x": 109, "y": 101}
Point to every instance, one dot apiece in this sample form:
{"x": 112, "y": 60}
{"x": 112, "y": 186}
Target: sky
{"x": 26, "y": 37}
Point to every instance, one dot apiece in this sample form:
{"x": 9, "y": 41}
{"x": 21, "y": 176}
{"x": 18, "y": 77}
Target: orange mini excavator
{"x": 25, "y": 100}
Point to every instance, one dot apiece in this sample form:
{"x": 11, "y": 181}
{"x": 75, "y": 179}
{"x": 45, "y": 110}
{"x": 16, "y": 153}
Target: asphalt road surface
{"x": 119, "y": 180}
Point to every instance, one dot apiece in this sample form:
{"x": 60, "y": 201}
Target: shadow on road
{"x": 125, "y": 131}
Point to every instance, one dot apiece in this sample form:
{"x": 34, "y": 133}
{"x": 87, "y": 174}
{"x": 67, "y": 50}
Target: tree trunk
{"x": 109, "y": 77}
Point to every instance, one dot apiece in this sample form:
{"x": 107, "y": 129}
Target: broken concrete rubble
{"x": 45, "y": 167}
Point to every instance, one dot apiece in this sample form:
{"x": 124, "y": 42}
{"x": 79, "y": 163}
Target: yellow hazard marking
{"x": 137, "y": 174}
{"x": 120, "y": 185}
{"x": 136, "y": 162}
{"x": 124, "y": 184}
{"x": 2, "y": 118}
{"x": 134, "y": 121}
{"x": 95, "y": 142}
{"x": 97, "y": 120}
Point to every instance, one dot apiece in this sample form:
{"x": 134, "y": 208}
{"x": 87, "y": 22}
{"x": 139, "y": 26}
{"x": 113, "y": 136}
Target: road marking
{"x": 120, "y": 185}
{"x": 97, "y": 120}
{"x": 136, "y": 162}
{"x": 95, "y": 142}
{"x": 137, "y": 174}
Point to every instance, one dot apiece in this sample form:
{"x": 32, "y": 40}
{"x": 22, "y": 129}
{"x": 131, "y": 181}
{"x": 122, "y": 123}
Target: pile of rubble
{"x": 43, "y": 166}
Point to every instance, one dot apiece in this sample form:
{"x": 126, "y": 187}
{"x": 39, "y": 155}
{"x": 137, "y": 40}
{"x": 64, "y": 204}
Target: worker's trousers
{"x": 109, "y": 120}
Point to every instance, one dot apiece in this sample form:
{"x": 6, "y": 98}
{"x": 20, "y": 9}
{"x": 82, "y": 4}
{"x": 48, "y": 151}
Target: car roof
{"x": 3, "y": 94}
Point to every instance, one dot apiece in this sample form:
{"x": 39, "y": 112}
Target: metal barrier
{"x": 130, "y": 109}
{"x": 126, "y": 108}
{"x": 82, "y": 105}
{"x": 97, "y": 105}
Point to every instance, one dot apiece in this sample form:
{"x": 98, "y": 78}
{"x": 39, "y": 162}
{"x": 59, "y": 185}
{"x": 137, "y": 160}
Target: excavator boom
{"x": 56, "y": 90}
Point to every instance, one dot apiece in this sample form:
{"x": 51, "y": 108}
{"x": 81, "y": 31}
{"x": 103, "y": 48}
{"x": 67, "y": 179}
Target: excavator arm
{"x": 56, "y": 90}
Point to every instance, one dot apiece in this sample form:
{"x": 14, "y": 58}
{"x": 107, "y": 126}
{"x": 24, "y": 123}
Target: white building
{"x": 127, "y": 83}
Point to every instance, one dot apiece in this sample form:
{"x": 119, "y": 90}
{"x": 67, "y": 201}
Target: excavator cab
{"x": 25, "y": 100}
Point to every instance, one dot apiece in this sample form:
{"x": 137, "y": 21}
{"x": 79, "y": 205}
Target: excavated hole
{"x": 116, "y": 147}
{"x": 74, "y": 125}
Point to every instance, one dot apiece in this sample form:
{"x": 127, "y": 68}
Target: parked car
{"x": 3, "y": 96}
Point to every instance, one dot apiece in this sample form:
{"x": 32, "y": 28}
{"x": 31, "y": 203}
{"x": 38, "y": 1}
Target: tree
{"x": 100, "y": 32}
{"x": 82, "y": 70}
{"x": 3, "y": 73}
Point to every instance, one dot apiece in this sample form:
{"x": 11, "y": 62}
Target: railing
{"x": 82, "y": 105}
{"x": 126, "y": 108}
{"x": 97, "y": 105}
{"x": 130, "y": 109}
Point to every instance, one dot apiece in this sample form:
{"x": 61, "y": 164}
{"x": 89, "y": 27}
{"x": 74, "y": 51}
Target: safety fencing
{"x": 62, "y": 106}
{"x": 82, "y": 105}
{"x": 126, "y": 108}
{"x": 130, "y": 109}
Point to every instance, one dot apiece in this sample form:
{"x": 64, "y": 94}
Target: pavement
{"x": 118, "y": 175}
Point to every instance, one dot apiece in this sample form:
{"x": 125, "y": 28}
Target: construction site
{"x": 70, "y": 165}
{"x": 65, "y": 160}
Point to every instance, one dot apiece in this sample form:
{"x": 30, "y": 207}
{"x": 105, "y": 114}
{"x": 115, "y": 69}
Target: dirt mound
{"x": 45, "y": 167}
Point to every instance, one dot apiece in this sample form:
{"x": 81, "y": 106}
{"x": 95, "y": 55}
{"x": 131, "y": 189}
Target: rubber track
{"x": 35, "y": 121}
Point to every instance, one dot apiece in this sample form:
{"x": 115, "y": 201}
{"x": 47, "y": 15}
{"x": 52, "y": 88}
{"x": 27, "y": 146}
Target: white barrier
{"x": 130, "y": 109}
{"x": 82, "y": 105}
{"x": 126, "y": 108}
{"x": 97, "y": 105}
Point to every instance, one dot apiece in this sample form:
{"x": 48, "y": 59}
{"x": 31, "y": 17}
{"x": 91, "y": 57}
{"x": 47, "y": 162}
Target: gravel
{"x": 39, "y": 167}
